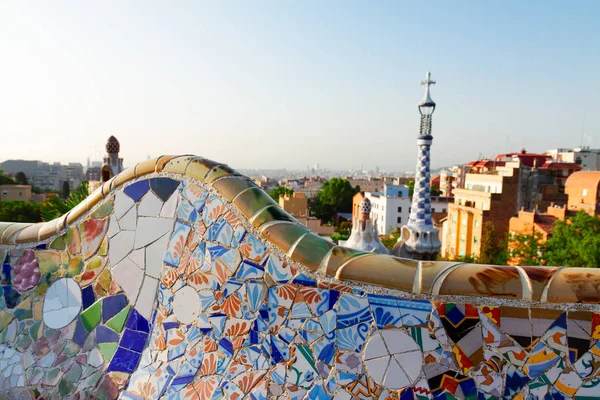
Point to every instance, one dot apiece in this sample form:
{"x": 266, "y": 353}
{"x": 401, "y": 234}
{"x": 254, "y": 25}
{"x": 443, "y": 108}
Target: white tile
{"x": 170, "y": 206}
{"x": 120, "y": 246}
{"x": 377, "y": 368}
{"x": 186, "y": 305}
{"x": 155, "y": 253}
{"x": 129, "y": 277}
{"x": 150, "y": 229}
{"x": 139, "y": 258}
{"x": 123, "y": 203}
{"x": 395, "y": 378}
{"x": 113, "y": 226}
{"x": 375, "y": 347}
{"x": 95, "y": 358}
{"x": 147, "y": 297}
{"x": 129, "y": 220}
{"x": 150, "y": 205}
{"x": 399, "y": 342}
{"x": 411, "y": 364}
{"x": 62, "y": 303}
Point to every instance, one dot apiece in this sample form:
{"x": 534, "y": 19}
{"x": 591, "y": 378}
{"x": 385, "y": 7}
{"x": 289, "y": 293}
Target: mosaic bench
{"x": 180, "y": 279}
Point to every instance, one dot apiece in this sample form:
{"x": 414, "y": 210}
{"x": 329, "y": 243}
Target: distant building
{"x": 15, "y": 192}
{"x": 74, "y": 174}
{"x": 450, "y": 179}
{"x": 588, "y": 159}
{"x": 583, "y": 190}
{"x": 113, "y": 165}
{"x": 364, "y": 234}
{"x": 533, "y": 222}
{"x": 297, "y": 206}
{"x": 391, "y": 207}
{"x": 496, "y": 190}
{"x": 266, "y": 184}
{"x": 93, "y": 174}
{"x": 367, "y": 184}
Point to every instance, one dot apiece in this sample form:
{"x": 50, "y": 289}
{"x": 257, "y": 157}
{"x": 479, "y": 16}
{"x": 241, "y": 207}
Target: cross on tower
{"x": 428, "y": 80}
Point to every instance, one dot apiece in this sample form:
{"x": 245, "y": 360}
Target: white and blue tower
{"x": 419, "y": 238}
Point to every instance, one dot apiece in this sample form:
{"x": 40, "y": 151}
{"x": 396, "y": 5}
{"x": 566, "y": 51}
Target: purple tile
{"x": 106, "y": 335}
{"x": 137, "y": 190}
{"x": 134, "y": 340}
{"x": 80, "y": 333}
{"x": 124, "y": 361}
{"x": 163, "y": 187}
{"x": 112, "y": 305}
{"x": 137, "y": 322}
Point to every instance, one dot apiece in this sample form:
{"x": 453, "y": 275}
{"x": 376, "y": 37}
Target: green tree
{"x": 335, "y": 196}
{"x": 492, "y": 250}
{"x": 411, "y": 186}
{"x": 19, "y": 211}
{"x": 66, "y": 190}
{"x": 526, "y": 249}
{"x": 54, "y": 207}
{"x": 435, "y": 191}
{"x": 6, "y": 180}
{"x": 280, "y": 191}
{"x": 21, "y": 178}
{"x": 575, "y": 242}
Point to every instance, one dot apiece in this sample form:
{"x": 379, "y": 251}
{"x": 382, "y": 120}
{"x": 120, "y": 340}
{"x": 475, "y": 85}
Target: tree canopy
{"x": 21, "y": 178}
{"x": 19, "y": 211}
{"x": 280, "y": 191}
{"x": 526, "y": 249}
{"x": 335, "y": 196}
{"x": 54, "y": 207}
{"x": 575, "y": 242}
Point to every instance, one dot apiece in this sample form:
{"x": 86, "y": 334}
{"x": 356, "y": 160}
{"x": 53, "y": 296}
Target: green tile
{"x": 253, "y": 200}
{"x": 271, "y": 214}
{"x": 107, "y": 350}
{"x": 310, "y": 250}
{"x": 103, "y": 211}
{"x": 117, "y": 322}
{"x": 58, "y": 243}
{"x": 92, "y": 316}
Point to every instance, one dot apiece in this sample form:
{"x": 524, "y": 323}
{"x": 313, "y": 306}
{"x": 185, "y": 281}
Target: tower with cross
{"x": 419, "y": 238}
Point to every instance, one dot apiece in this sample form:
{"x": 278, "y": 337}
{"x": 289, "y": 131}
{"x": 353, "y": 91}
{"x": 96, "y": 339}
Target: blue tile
{"x": 80, "y": 333}
{"x": 134, "y": 340}
{"x": 124, "y": 361}
{"x": 6, "y": 274}
{"x": 137, "y": 322}
{"x": 137, "y": 190}
{"x": 11, "y": 296}
{"x": 87, "y": 296}
{"x": 163, "y": 187}
{"x": 112, "y": 305}
{"x": 106, "y": 335}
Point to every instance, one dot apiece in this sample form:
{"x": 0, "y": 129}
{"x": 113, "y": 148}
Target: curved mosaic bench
{"x": 181, "y": 279}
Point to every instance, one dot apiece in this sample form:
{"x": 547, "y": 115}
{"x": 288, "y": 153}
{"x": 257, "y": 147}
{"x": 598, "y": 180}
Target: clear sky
{"x": 266, "y": 84}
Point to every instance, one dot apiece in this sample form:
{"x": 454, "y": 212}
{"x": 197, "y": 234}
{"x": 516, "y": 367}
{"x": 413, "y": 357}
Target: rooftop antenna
{"x": 582, "y": 130}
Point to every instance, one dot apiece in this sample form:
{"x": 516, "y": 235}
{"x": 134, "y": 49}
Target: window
{"x": 4, "y": 193}
{"x": 399, "y": 209}
{"x": 476, "y": 223}
{"x": 409, "y": 208}
{"x": 475, "y": 239}
{"x": 381, "y": 218}
{"x": 382, "y": 208}
{"x": 399, "y": 220}
{"x": 584, "y": 192}
{"x": 443, "y": 210}
{"x": 453, "y": 218}
{"x": 433, "y": 210}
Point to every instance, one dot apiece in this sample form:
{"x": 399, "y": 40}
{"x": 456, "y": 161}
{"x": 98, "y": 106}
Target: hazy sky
{"x": 265, "y": 84}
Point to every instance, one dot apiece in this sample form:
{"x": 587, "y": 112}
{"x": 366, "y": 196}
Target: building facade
{"x": 589, "y": 159}
{"x": 15, "y": 192}
{"x": 583, "y": 190}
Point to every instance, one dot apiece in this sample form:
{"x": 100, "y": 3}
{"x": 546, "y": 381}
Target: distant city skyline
{"x": 279, "y": 84}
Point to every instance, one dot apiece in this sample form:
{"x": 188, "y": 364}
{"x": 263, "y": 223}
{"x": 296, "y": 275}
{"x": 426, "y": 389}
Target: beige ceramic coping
{"x": 534, "y": 284}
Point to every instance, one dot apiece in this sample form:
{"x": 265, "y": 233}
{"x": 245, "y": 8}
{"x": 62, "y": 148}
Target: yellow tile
{"x": 29, "y": 234}
{"x": 382, "y": 270}
{"x": 145, "y": 167}
{"x": 177, "y": 165}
